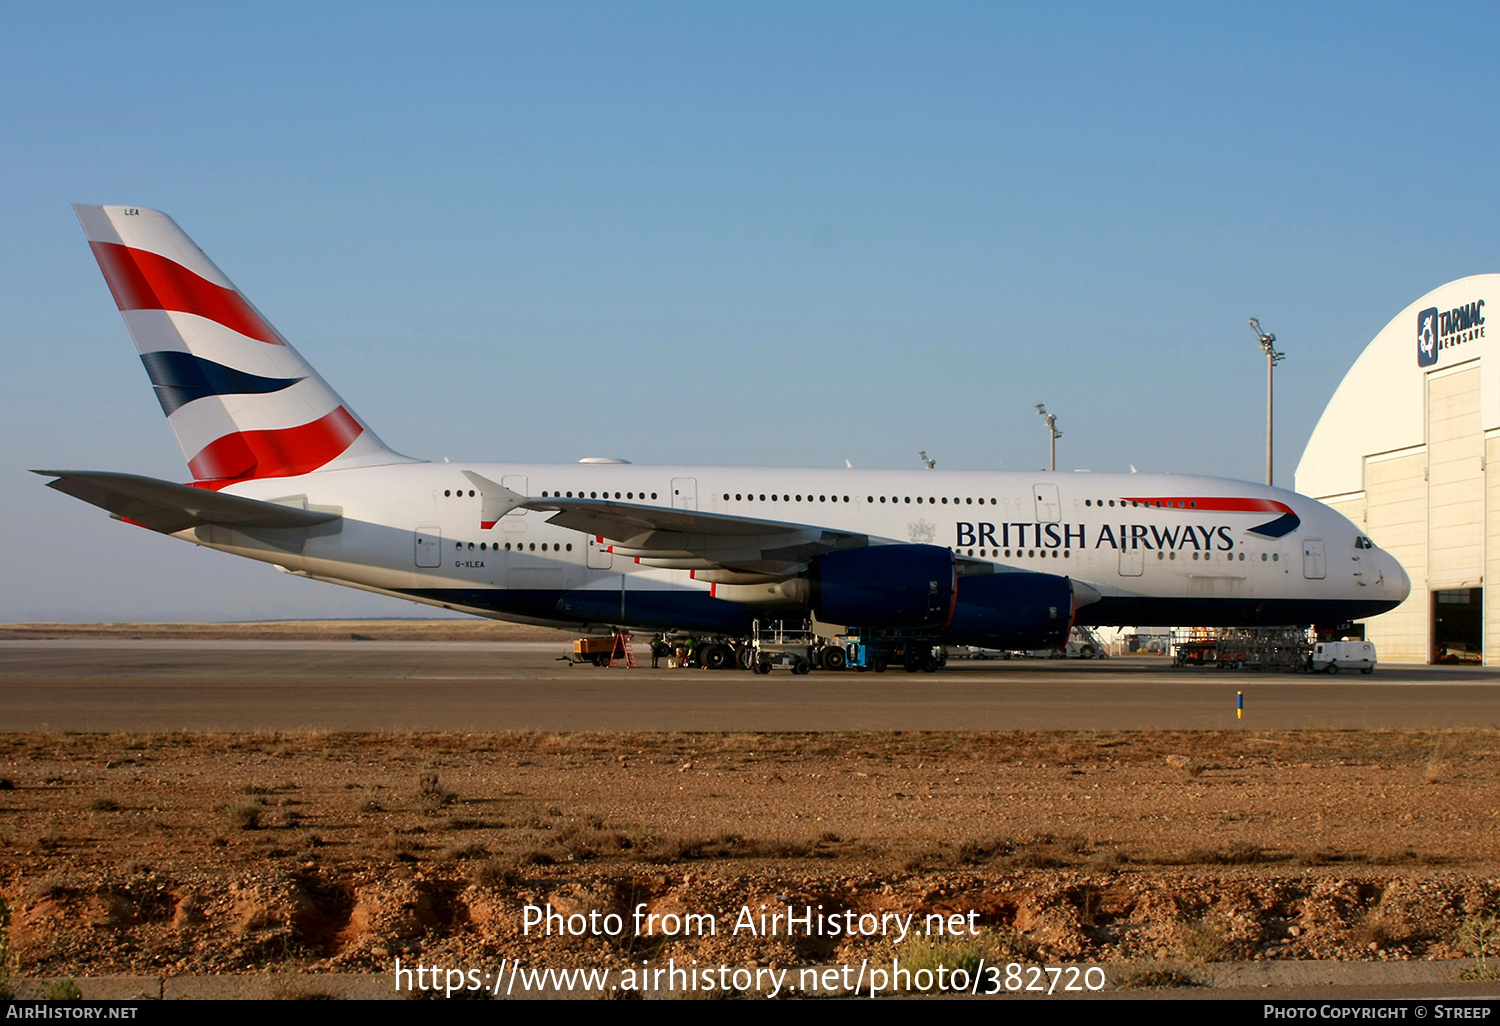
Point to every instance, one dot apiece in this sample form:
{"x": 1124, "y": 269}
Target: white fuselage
{"x": 1157, "y": 549}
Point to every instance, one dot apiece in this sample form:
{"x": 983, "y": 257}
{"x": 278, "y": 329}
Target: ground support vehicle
{"x": 595, "y": 649}
{"x": 878, "y": 649}
{"x": 1082, "y": 643}
{"x": 781, "y": 644}
{"x": 1195, "y": 646}
{"x": 1280, "y": 649}
{"x": 1333, "y": 656}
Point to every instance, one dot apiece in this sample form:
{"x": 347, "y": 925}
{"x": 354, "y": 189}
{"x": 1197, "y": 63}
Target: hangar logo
{"x": 1427, "y": 352}
{"x": 1440, "y": 329}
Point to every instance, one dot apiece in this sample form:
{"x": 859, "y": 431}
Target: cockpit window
{"x": 1363, "y": 543}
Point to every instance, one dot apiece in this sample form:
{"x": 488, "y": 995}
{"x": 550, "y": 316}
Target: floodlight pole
{"x": 1041, "y": 409}
{"x": 1268, "y": 345}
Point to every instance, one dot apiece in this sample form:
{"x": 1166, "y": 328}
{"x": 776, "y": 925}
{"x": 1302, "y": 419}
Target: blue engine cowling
{"x": 895, "y": 586}
{"x": 1013, "y": 610}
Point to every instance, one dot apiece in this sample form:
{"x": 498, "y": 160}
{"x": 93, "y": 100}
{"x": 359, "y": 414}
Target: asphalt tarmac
{"x": 87, "y": 685}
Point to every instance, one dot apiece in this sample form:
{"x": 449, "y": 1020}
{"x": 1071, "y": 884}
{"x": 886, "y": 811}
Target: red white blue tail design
{"x": 243, "y": 403}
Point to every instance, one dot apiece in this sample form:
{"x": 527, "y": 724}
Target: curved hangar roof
{"x": 1381, "y": 405}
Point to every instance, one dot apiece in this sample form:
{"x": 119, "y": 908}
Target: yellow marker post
{"x": 1239, "y": 705}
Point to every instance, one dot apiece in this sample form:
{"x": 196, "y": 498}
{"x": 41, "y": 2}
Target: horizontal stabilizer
{"x": 169, "y": 508}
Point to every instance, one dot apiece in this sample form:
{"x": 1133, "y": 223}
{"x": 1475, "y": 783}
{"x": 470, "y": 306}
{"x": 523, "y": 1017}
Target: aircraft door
{"x": 429, "y": 543}
{"x": 684, "y": 493}
{"x": 1048, "y": 505}
{"x": 598, "y": 555}
{"x": 1132, "y": 562}
{"x": 515, "y": 521}
{"x": 1314, "y": 561}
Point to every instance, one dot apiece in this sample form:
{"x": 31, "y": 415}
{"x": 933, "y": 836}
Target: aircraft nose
{"x": 1396, "y": 578}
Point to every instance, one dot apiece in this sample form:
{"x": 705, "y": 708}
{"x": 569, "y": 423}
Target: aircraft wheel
{"x": 717, "y": 657}
{"x": 746, "y": 657}
{"x": 834, "y": 659}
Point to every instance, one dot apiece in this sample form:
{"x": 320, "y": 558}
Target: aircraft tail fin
{"x": 243, "y": 403}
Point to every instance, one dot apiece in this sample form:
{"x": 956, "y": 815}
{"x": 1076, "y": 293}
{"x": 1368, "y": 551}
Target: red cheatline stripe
{"x": 286, "y": 452}
{"x": 141, "y": 280}
{"x": 1214, "y": 504}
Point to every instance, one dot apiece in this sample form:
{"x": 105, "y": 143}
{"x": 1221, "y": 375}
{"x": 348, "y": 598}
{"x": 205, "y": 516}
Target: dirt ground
{"x": 188, "y": 853}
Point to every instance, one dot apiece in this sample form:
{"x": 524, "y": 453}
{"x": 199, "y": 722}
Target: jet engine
{"x": 1015, "y": 609}
{"x": 908, "y": 586}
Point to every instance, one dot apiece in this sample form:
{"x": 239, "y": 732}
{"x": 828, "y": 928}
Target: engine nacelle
{"x": 884, "y": 586}
{"x": 1013, "y": 610}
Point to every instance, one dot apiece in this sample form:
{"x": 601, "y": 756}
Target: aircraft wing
{"x": 679, "y": 539}
{"x": 169, "y": 508}
{"x": 688, "y": 539}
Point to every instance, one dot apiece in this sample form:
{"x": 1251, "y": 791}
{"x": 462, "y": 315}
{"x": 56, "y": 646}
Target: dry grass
{"x": 968, "y": 955}
{"x": 1157, "y": 979}
{"x": 1479, "y": 937}
{"x": 1378, "y": 932}
{"x": 1242, "y": 853}
{"x": 1204, "y": 942}
{"x": 246, "y": 816}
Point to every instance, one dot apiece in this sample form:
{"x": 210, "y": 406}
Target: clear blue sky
{"x": 778, "y": 234}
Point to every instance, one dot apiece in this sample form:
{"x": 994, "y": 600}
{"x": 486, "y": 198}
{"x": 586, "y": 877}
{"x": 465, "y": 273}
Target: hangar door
{"x": 1455, "y": 504}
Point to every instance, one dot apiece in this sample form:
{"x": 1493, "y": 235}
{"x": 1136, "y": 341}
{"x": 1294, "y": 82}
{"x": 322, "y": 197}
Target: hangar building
{"x": 1409, "y": 448}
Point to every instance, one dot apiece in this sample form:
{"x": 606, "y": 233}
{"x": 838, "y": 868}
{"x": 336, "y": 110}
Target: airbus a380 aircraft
{"x": 285, "y": 472}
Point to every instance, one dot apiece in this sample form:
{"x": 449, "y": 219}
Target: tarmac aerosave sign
{"x": 1442, "y": 329}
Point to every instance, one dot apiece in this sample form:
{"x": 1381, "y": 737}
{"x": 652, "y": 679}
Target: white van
{"x": 1333, "y": 656}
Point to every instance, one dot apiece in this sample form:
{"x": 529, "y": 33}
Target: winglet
{"x": 498, "y": 499}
